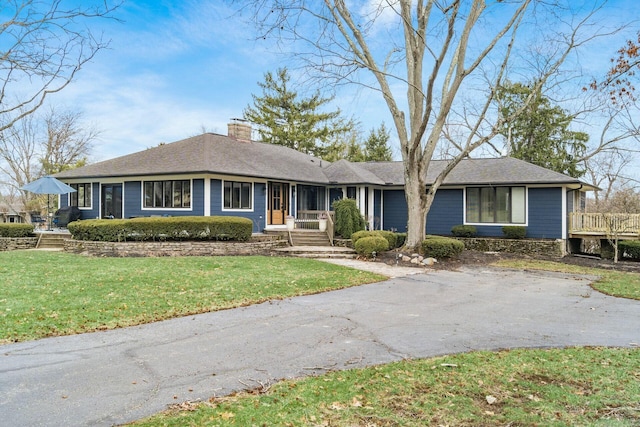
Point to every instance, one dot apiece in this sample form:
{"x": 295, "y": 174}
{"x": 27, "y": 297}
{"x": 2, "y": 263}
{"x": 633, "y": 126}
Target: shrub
{"x": 16, "y": 230}
{"x": 369, "y": 244}
{"x": 514, "y": 231}
{"x": 388, "y": 235}
{"x": 400, "y": 239}
{"x": 629, "y": 248}
{"x": 348, "y": 217}
{"x": 162, "y": 228}
{"x": 464, "y": 231}
{"x": 441, "y": 247}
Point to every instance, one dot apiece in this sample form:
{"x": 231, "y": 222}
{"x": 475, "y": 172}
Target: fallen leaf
{"x": 491, "y": 399}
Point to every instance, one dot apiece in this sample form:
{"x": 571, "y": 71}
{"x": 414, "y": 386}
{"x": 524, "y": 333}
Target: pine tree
{"x": 286, "y": 119}
{"x": 376, "y": 147}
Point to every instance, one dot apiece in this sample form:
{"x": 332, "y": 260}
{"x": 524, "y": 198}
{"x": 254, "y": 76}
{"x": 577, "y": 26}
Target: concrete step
{"x": 317, "y": 252}
{"x": 52, "y": 241}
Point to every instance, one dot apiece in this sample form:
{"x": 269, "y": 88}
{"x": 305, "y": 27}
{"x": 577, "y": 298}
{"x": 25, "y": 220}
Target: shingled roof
{"x": 211, "y": 153}
{"x": 219, "y": 154}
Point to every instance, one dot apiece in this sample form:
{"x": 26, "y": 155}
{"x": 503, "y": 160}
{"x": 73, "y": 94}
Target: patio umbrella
{"x": 48, "y": 185}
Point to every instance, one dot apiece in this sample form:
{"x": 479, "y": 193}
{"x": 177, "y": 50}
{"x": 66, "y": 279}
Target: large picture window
{"x": 80, "y": 198}
{"x": 500, "y": 205}
{"x": 167, "y": 194}
{"x": 238, "y": 195}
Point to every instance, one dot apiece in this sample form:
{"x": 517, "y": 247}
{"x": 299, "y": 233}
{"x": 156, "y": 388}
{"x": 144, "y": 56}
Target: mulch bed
{"x": 469, "y": 258}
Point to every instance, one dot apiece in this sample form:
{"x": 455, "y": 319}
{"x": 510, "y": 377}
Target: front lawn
{"x": 52, "y": 293}
{"x": 576, "y": 386}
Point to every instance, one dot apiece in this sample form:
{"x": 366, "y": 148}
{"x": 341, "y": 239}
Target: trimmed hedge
{"x": 163, "y": 228}
{"x": 369, "y": 244}
{"x": 441, "y": 247}
{"x": 514, "y": 231}
{"x": 16, "y": 230}
{"x": 629, "y": 248}
{"x": 390, "y": 236}
{"x": 464, "y": 231}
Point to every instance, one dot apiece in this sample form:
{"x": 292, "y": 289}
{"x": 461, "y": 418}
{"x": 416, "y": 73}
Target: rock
{"x": 415, "y": 261}
{"x": 415, "y": 255}
{"x": 491, "y": 400}
{"x": 406, "y": 258}
{"x": 429, "y": 261}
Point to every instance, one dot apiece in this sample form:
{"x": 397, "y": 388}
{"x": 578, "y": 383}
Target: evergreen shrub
{"x": 369, "y": 244}
{"x": 629, "y": 248}
{"x": 16, "y": 230}
{"x": 390, "y": 236}
{"x": 348, "y": 217}
{"x": 514, "y": 231}
{"x": 441, "y": 247}
{"x": 464, "y": 231}
{"x": 163, "y": 228}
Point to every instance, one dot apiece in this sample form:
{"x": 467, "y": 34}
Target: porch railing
{"x": 310, "y": 220}
{"x": 604, "y": 224}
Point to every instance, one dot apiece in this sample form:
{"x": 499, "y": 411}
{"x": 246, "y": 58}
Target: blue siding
{"x": 545, "y": 213}
{"x": 133, "y": 201}
{"x": 394, "y": 210}
{"x": 544, "y": 216}
{"x": 446, "y": 212}
{"x": 259, "y": 204}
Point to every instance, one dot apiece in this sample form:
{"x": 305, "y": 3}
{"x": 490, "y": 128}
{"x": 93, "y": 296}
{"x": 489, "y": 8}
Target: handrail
{"x": 330, "y": 226}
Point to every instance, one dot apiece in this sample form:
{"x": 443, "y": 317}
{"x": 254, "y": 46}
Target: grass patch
{"x": 53, "y": 293}
{"x": 576, "y": 386}
{"x": 614, "y": 283}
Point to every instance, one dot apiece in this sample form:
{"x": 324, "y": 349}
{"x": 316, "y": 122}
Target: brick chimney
{"x": 239, "y": 129}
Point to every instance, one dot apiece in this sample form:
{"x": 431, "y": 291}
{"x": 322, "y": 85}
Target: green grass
{"x": 51, "y": 293}
{"x": 576, "y": 386}
{"x": 614, "y": 283}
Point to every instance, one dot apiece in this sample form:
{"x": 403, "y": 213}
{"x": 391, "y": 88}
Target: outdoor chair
{"x": 37, "y": 220}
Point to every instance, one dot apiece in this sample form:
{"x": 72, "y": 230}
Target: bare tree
{"x": 38, "y": 145}
{"x": 424, "y": 57}
{"x": 44, "y": 45}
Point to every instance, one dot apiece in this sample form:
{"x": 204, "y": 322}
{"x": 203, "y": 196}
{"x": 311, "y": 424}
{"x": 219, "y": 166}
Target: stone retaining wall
{"x": 157, "y": 249}
{"x": 554, "y": 248}
{"x": 14, "y": 243}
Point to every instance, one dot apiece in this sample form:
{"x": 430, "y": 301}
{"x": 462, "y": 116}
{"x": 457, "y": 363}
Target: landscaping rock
{"x": 429, "y": 261}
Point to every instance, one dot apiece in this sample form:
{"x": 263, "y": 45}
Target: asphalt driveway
{"x": 113, "y": 377}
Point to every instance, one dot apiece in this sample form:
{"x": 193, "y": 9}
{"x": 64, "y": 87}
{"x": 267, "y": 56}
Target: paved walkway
{"x": 113, "y": 377}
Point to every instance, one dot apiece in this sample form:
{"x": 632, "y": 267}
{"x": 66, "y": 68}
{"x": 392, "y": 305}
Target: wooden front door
{"x": 278, "y": 203}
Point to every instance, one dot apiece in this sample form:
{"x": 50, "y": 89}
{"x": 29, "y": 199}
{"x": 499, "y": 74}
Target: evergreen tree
{"x": 538, "y": 132}
{"x": 286, "y": 119}
{"x": 376, "y": 147}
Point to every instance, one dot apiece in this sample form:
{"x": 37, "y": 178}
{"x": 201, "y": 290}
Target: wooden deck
{"x": 599, "y": 225}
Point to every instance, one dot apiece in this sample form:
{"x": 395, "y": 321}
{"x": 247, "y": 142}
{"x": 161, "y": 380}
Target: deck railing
{"x": 604, "y": 224}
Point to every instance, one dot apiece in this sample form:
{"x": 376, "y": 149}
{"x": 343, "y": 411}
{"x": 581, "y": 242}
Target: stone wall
{"x": 13, "y": 243}
{"x": 554, "y": 248}
{"x": 156, "y": 249}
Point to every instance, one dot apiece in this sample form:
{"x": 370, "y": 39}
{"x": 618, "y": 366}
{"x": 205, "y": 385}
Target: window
{"x": 238, "y": 195}
{"x": 167, "y": 194}
{"x": 81, "y": 198}
{"x": 501, "y": 205}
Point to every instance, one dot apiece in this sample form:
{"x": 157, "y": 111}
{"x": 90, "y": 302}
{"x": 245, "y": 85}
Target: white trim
{"x": 564, "y": 212}
{"x": 83, "y": 208}
{"x": 251, "y": 196}
{"x": 206, "y": 197}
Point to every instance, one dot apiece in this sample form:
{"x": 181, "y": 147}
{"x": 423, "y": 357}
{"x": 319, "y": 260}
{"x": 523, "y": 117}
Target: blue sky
{"x": 176, "y": 67}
